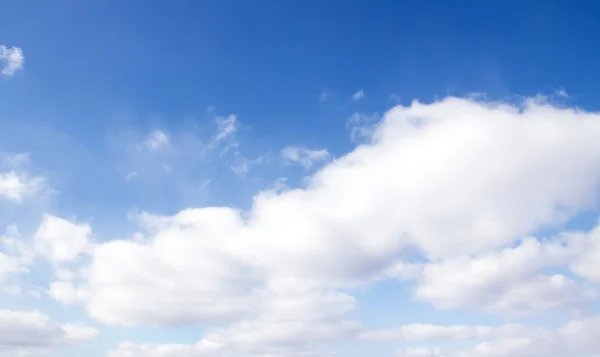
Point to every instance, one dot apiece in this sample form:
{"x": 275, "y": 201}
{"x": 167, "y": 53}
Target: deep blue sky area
{"x": 268, "y": 60}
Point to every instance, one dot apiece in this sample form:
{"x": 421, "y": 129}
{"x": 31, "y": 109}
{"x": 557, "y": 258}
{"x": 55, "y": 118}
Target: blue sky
{"x": 345, "y": 206}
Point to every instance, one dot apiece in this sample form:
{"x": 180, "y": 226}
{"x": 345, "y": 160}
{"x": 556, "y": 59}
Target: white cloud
{"x": 61, "y": 240}
{"x": 155, "y": 141}
{"x": 288, "y": 326}
{"x": 64, "y": 292}
{"x": 27, "y": 333}
{"x": 304, "y": 156}
{"x": 508, "y": 282}
{"x": 16, "y": 186}
{"x": 14, "y": 258}
{"x": 420, "y": 352}
{"x": 227, "y": 126}
{"x": 9, "y": 266}
{"x": 458, "y": 181}
{"x": 428, "y": 332}
{"x": 361, "y": 126}
{"x": 358, "y": 95}
{"x": 577, "y": 338}
{"x": 11, "y": 60}
{"x": 587, "y": 262}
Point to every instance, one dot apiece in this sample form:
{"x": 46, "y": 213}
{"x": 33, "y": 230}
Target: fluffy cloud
{"x": 9, "y": 266}
{"x": 61, "y": 240}
{"x": 26, "y": 333}
{"x": 11, "y": 60}
{"x": 458, "y": 184}
{"x": 428, "y": 332}
{"x": 507, "y": 282}
{"x": 587, "y": 263}
{"x": 304, "y": 156}
{"x": 292, "y": 325}
{"x": 450, "y": 179}
{"x": 15, "y": 257}
{"x": 420, "y": 352}
{"x": 16, "y": 186}
{"x": 576, "y": 338}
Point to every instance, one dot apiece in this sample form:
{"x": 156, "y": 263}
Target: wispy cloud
{"x": 155, "y": 141}
{"x": 361, "y": 126}
{"x": 562, "y": 93}
{"x": 11, "y": 60}
{"x": 304, "y": 156}
{"x": 227, "y": 126}
{"x": 359, "y": 95}
{"x": 325, "y": 95}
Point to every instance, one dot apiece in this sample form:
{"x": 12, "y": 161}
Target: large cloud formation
{"x": 28, "y": 333}
{"x": 445, "y": 194}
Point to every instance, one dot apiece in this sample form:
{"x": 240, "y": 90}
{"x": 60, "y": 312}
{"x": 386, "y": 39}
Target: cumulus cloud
{"x": 576, "y": 338}
{"x": 11, "y": 60}
{"x": 289, "y": 326}
{"x": 304, "y": 156}
{"x": 15, "y": 258}
{"x": 507, "y": 282}
{"x": 478, "y": 175}
{"x": 61, "y": 240}
{"x": 16, "y": 186}
{"x": 420, "y": 352}
{"x": 460, "y": 183}
{"x": 10, "y": 266}
{"x": 587, "y": 262}
{"x": 428, "y": 332}
{"x": 28, "y": 333}
{"x": 292, "y": 325}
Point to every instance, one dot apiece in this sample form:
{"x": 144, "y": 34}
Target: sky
{"x": 299, "y": 178}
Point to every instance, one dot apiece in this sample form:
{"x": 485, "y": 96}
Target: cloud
{"x": 16, "y": 186}
{"x": 459, "y": 183}
{"x": 507, "y": 283}
{"x": 562, "y": 93}
{"x": 289, "y": 326}
{"x": 358, "y": 95}
{"x": 304, "y": 156}
{"x": 15, "y": 257}
{"x": 11, "y": 60}
{"x": 155, "y": 141}
{"x": 587, "y": 262}
{"x": 28, "y": 333}
{"x": 10, "y": 266}
{"x": 324, "y": 96}
{"x": 361, "y": 126}
{"x": 61, "y": 240}
{"x": 420, "y": 352}
{"x": 227, "y": 126}
{"x": 428, "y": 332}
{"x": 576, "y": 338}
